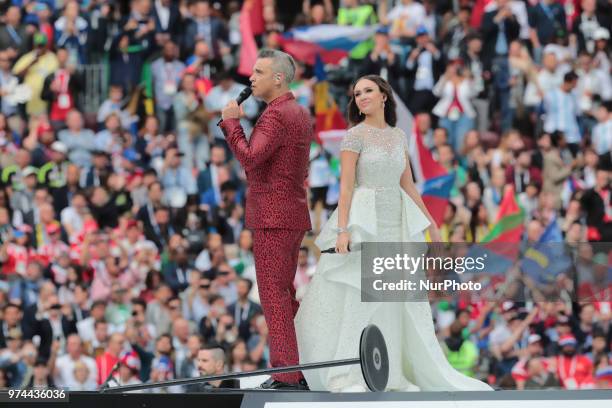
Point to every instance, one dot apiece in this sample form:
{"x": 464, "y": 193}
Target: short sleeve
{"x": 352, "y": 142}
{"x": 404, "y": 140}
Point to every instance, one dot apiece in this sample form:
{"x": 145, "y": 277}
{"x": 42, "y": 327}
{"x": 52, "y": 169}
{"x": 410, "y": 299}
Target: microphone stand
{"x": 106, "y": 382}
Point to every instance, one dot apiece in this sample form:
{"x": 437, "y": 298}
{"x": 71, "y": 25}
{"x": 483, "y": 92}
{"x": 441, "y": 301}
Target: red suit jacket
{"x": 275, "y": 160}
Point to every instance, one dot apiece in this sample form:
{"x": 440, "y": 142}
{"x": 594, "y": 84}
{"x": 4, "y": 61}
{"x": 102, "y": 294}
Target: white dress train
{"x": 331, "y": 315}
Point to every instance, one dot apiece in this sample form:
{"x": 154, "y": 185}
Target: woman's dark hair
{"x": 354, "y": 117}
{"x": 474, "y": 221}
{"x": 149, "y": 280}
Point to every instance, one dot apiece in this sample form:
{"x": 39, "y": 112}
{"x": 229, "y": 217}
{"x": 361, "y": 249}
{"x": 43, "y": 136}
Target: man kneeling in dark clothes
{"x": 211, "y": 361}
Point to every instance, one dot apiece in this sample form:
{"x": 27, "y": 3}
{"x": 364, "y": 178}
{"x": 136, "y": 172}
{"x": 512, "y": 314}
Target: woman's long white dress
{"x": 331, "y": 315}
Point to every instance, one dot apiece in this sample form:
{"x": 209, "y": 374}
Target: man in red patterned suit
{"x": 275, "y": 159}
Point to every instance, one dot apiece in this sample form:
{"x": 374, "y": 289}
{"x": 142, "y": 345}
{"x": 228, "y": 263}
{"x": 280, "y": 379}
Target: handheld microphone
{"x": 354, "y": 248}
{"x": 246, "y": 92}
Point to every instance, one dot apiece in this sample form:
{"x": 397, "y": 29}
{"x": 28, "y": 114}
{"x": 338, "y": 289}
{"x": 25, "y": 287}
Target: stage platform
{"x": 276, "y": 399}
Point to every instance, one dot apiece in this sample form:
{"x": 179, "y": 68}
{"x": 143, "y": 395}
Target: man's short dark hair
{"x": 570, "y": 77}
{"x": 99, "y": 322}
{"x": 9, "y": 305}
{"x": 248, "y": 282}
{"x": 228, "y": 185}
{"x": 97, "y": 303}
{"x": 139, "y": 302}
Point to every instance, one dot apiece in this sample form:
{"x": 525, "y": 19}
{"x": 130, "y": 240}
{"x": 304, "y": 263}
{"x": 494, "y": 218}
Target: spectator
{"x": 14, "y": 38}
{"x": 128, "y": 370}
{"x": 205, "y": 27}
{"x": 177, "y": 179}
{"x": 189, "y": 366}
{"x": 212, "y": 362}
{"x": 32, "y": 68}
{"x": 562, "y": 112}
{"x": 71, "y": 33}
{"x": 581, "y": 377}
{"x": 60, "y": 89}
{"x": 66, "y": 364}
{"x": 111, "y": 356}
{"x": 217, "y": 98}
{"x": 166, "y": 73}
{"x": 546, "y": 19}
{"x": 305, "y": 270}
{"x": 244, "y": 309}
{"x": 11, "y": 322}
{"x": 424, "y": 65}
{"x": 195, "y": 297}
{"x": 601, "y": 138}
{"x": 586, "y": 25}
{"x": 461, "y": 353}
{"x": 80, "y": 141}
{"x": 41, "y": 379}
{"x": 455, "y": 109}
{"x": 593, "y": 84}
{"x": 382, "y": 60}
{"x": 168, "y": 22}
{"x": 8, "y": 84}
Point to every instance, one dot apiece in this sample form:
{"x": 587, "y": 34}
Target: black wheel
{"x": 374, "y": 358}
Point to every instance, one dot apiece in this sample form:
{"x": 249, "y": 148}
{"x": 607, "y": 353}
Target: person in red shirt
{"x": 55, "y": 247}
{"x": 575, "y": 371}
{"x": 520, "y": 370}
{"x": 106, "y": 362}
{"x": 599, "y": 291}
{"x": 15, "y": 254}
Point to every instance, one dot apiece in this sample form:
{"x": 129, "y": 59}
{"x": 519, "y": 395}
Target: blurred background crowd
{"x": 121, "y": 206}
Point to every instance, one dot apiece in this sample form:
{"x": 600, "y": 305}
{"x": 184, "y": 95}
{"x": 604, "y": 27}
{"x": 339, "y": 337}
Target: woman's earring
{"x": 383, "y": 104}
{"x": 360, "y": 113}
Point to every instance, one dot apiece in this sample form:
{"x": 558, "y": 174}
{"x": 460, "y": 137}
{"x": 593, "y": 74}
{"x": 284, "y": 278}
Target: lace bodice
{"x": 382, "y": 158}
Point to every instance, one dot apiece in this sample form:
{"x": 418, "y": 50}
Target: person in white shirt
{"x": 562, "y": 112}
{"x": 64, "y": 365}
{"x": 550, "y": 77}
{"x": 601, "y": 136}
{"x": 86, "y": 327}
{"x": 455, "y": 108}
{"x": 519, "y": 10}
{"x": 405, "y": 18}
{"x": 591, "y": 81}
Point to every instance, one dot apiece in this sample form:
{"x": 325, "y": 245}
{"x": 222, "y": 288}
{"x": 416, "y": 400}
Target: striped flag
{"x": 329, "y": 41}
{"x": 431, "y": 178}
{"x": 327, "y": 115}
{"x": 436, "y": 192}
{"x": 509, "y": 224}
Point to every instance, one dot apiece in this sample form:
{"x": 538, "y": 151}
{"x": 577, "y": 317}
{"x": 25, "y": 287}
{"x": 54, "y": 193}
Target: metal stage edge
{"x": 279, "y": 399}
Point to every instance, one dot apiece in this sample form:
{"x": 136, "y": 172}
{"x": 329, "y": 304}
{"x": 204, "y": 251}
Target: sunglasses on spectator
{"x": 205, "y": 286}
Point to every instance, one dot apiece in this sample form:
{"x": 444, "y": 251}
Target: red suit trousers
{"x": 276, "y": 253}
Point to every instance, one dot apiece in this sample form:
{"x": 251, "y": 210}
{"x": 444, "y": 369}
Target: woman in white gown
{"x": 378, "y": 203}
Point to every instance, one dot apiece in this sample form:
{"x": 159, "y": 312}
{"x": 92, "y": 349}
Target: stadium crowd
{"x": 121, "y": 229}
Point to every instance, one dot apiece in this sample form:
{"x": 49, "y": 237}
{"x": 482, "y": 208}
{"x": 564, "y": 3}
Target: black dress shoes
{"x": 272, "y": 384}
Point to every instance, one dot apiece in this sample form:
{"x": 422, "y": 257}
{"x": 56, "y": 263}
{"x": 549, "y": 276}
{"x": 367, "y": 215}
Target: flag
{"x": 431, "y": 178}
{"x": 509, "y": 224}
{"x": 330, "y": 41}
{"x": 547, "y": 258}
{"x": 258, "y": 25}
{"x": 436, "y": 192}
{"x": 327, "y": 115}
{"x": 248, "y": 48}
{"x": 500, "y": 247}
